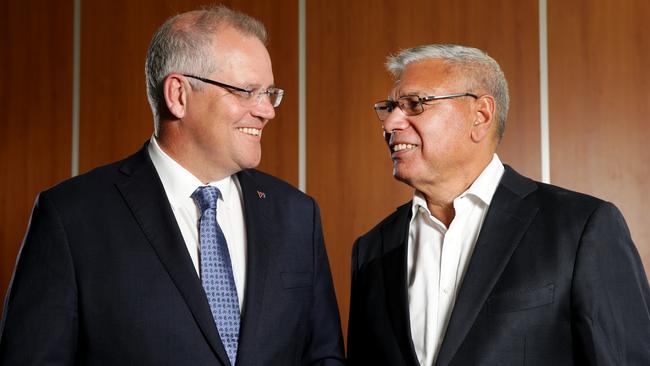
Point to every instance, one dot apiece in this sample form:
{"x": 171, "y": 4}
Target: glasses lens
{"x": 384, "y": 108}
{"x": 275, "y": 96}
{"x": 247, "y": 97}
{"x": 410, "y": 105}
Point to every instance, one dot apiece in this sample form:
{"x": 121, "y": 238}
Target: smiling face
{"x": 221, "y": 130}
{"x": 436, "y": 146}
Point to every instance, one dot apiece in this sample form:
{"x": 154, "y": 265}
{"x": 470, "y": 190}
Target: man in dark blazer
{"x": 110, "y": 272}
{"x": 485, "y": 266}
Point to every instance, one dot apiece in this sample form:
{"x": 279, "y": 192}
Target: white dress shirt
{"x": 179, "y": 185}
{"x": 438, "y": 257}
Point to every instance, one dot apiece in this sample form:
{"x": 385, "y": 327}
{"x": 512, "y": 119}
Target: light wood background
{"x": 598, "y": 52}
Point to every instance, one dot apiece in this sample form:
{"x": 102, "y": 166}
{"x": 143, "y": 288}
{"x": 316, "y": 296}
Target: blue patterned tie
{"x": 216, "y": 270}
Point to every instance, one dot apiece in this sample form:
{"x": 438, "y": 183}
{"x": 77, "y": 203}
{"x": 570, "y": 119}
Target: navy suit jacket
{"x": 554, "y": 280}
{"x": 104, "y": 278}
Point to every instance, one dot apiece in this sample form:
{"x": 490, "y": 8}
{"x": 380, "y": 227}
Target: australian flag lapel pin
{"x": 261, "y": 194}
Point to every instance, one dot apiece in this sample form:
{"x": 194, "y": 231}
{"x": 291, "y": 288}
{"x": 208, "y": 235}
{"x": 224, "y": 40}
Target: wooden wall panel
{"x": 348, "y": 165}
{"x": 115, "y": 118}
{"x": 36, "y": 102}
{"x": 599, "y": 52}
{"x": 115, "y": 115}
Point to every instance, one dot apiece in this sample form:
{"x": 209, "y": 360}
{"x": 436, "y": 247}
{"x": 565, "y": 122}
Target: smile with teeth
{"x": 400, "y": 147}
{"x": 250, "y": 131}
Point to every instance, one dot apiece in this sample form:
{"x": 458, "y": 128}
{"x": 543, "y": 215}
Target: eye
{"x": 410, "y": 103}
{"x": 385, "y": 106}
{"x": 271, "y": 92}
{"x": 246, "y": 94}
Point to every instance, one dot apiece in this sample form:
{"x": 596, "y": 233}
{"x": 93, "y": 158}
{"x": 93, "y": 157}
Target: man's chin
{"x": 250, "y": 163}
{"x": 401, "y": 176}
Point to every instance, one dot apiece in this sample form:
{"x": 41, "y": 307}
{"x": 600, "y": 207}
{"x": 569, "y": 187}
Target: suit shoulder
{"x": 277, "y": 185}
{"x": 85, "y": 183}
{"x": 80, "y": 193}
{"x": 551, "y": 195}
{"x": 368, "y": 246}
{"x": 388, "y": 220}
{"x": 548, "y": 195}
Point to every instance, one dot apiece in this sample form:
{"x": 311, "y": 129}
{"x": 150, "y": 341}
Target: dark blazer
{"x": 104, "y": 278}
{"x": 554, "y": 280}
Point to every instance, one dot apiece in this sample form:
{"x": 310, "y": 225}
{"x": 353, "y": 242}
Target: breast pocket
{"x": 521, "y": 300}
{"x": 291, "y": 280}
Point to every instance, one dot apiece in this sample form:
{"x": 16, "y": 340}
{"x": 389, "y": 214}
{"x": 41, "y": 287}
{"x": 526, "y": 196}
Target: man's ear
{"x": 175, "y": 90}
{"x": 484, "y": 118}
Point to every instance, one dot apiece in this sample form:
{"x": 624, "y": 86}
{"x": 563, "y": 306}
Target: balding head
{"x": 183, "y": 44}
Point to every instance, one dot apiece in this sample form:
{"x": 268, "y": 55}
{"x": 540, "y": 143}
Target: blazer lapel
{"x": 394, "y": 246}
{"x": 259, "y": 233}
{"x": 506, "y": 222}
{"x": 144, "y": 194}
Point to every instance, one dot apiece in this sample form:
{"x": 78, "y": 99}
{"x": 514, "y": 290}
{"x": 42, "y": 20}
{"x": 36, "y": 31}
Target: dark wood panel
{"x": 599, "y": 52}
{"x": 36, "y": 102}
{"x": 348, "y": 165}
{"x": 115, "y": 115}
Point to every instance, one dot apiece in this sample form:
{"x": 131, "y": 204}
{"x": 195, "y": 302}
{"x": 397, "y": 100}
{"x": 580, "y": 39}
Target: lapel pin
{"x": 261, "y": 195}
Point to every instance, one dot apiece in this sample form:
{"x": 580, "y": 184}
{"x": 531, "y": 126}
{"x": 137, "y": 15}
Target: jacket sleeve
{"x": 39, "y": 324}
{"x": 325, "y": 346}
{"x": 610, "y": 294}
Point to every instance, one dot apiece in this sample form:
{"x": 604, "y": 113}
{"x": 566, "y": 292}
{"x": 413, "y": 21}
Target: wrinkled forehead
{"x": 243, "y": 57}
{"x": 430, "y": 77}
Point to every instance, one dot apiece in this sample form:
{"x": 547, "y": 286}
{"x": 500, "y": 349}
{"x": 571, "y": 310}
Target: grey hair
{"x": 482, "y": 71}
{"x": 184, "y": 47}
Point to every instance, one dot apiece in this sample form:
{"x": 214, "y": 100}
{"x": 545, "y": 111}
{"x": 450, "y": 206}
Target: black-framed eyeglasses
{"x": 412, "y": 105}
{"x": 247, "y": 97}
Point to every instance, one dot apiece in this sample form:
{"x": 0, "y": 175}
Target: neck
{"x": 441, "y": 193}
{"x": 186, "y": 156}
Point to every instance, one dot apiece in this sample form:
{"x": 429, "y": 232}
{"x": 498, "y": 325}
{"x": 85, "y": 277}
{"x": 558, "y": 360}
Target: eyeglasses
{"x": 412, "y": 105}
{"x": 248, "y": 98}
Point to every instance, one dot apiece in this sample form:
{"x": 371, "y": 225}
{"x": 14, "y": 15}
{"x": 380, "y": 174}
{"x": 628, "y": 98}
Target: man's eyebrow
{"x": 403, "y": 94}
{"x": 258, "y": 86}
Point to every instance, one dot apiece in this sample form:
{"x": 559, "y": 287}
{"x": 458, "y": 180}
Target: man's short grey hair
{"x": 182, "y": 45}
{"x": 481, "y": 71}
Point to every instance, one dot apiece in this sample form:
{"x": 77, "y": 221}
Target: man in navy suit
{"x": 485, "y": 266}
{"x": 111, "y": 271}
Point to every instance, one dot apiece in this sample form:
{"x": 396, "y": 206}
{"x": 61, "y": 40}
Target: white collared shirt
{"x": 179, "y": 185}
{"x": 438, "y": 257}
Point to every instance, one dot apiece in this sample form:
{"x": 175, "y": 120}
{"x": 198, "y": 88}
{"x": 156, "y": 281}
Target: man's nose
{"x": 264, "y": 109}
{"x": 396, "y": 120}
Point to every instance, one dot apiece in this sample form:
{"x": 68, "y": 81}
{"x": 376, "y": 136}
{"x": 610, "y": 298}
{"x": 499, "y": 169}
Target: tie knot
{"x": 205, "y": 197}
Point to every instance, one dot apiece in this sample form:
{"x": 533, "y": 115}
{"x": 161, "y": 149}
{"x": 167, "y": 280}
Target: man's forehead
{"x": 427, "y": 70}
{"x": 234, "y": 50}
{"x": 426, "y": 76}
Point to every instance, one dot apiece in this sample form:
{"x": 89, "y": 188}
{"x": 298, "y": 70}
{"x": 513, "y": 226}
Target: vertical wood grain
{"x": 599, "y": 52}
{"x": 36, "y": 102}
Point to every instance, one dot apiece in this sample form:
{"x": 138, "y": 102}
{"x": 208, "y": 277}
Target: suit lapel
{"x": 394, "y": 247}
{"x": 144, "y": 194}
{"x": 259, "y": 231}
{"x": 506, "y": 222}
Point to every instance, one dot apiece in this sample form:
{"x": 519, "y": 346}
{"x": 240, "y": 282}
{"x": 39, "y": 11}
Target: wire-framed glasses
{"x": 248, "y": 97}
{"x": 412, "y": 105}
